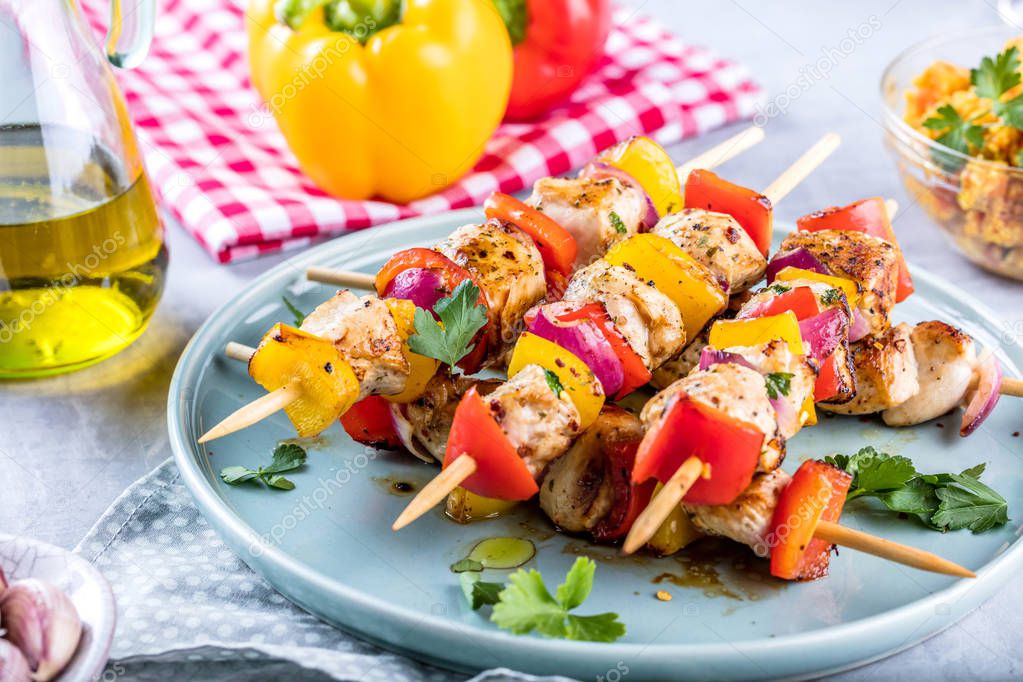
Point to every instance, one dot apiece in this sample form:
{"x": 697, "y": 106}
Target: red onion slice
{"x": 981, "y": 402}
{"x": 421, "y": 286}
{"x": 403, "y": 428}
{"x": 824, "y": 332}
{"x": 598, "y": 170}
{"x": 796, "y": 258}
{"x": 859, "y": 327}
{"x": 786, "y": 415}
{"x": 583, "y": 339}
{"x": 711, "y": 356}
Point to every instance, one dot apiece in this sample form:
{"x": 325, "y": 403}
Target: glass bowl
{"x": 978, "y": 203}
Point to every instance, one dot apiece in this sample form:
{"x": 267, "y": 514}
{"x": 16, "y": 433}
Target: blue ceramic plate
{"x": 328, "y": 547}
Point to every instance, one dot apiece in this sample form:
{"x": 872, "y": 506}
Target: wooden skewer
{"x": 804, "y": 165}
{"x": 886, "y": 549}
{"x": 1013, "y": 387}
{"x": 342, "y": 278}
{"x": 660, "y": 507}
{"x": 436, "y": 491}
{"x": 253, "y": 412}
{"x": 239, "y": 351}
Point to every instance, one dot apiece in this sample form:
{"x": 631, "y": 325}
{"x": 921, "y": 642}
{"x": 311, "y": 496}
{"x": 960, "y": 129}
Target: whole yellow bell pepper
{"x": 398, "y": 117}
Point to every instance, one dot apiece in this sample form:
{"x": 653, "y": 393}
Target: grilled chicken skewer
{"x": 536, "y": 416}
{"x": 371, "y": 335}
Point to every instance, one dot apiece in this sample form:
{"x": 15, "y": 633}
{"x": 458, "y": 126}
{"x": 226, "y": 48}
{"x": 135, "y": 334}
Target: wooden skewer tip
{"x": 437, "y": 490}
{"x": 886, "y": 549}
{"x": 256, "y": 411}
{"x": 670, "y": 494}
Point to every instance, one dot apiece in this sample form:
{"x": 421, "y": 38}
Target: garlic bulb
{"x": 42, "y": 622}
{"x": 13, "y": 666}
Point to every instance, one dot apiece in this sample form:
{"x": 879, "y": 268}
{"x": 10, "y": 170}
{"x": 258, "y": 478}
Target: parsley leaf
{"x": 831, "y": 296}
{"x": 287, "y": 457}
{"x": 778, "y": 383}
{"x": 526, "y": 605}
{"x": 616, "y": 223}
{"x": 297, "y": 314}
{"x": 941, "y": 501}
{"x": 466, "y": 565}
{"x": 994, "y": 77}
{"x": 778, "y": 289}
{"x": 553, "y": 382}
{"x": 461, "y": 316}
{"x": 478, "y": 592}
{"x": 959, "y": 134}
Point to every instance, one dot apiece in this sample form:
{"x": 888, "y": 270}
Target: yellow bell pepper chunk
{"x": 674, "y": 533}
{"x": 758, "y": 330}
{"x": 421, "y": 368}
{"x": 689, "y": 284}
{"x": 582, "y": 386}
{"x": 465, "y": 507}
{"x": 852, "y": 291}
{"x": 650, "y": 166}
{"x": 329, "y": 387}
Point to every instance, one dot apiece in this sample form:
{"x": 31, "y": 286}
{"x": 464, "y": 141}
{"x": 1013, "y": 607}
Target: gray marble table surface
{"x": 73, "y": 443}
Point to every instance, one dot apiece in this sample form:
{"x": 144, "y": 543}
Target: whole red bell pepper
{"x": 731, "y": 448}
{"x": 869, "y": 216}
{"x": 816, "y": 493}
{"x": 751, "y": 210}
{"x": 556, "y": 44}
{"x": 500, "y": 472}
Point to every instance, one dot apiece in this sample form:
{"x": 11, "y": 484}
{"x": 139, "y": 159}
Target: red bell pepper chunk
{"x": 800, "y": 301}
{"x": 369, "y": 422}
{"x": 816, "y": 492}
{"x": 751, "y": 210}
{"x": 630, "y": 498}
{"x": 827, "y": 385}
{"x": 556, "y": 244}
{"x": 636, "y": 373}
{"x": 869, "y": 216}
{"x": 454, "y": 274}
{"x": 730, "y": 447}
{"x": 562, "y": 41}
{"x": 500, "y": 472}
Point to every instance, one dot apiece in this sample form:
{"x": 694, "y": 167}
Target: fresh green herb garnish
{"x": 295, "y": 312}
{"x": 711, "y": 251}
{"x": 702, "y": 241}
{"x": 941, "y": 501}
{"x": 525, "y": 605}
{"x": 778, "y": 288}
{"x": 959, "y": 133}
{"x": 463, "y": 565}
{"x": 461, "y": 316}
{"x": 553, "y": 382}
{"x": 616, "y": 223}
{"x": 478, "y": 592}
{"x": 287, "y": 457}
{"x": 993, "y": 78}
{"x": 778, "y": 383}
{"x": 831, "y": 296}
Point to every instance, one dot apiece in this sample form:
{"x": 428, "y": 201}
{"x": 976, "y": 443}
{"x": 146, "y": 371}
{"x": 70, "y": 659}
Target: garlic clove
{"x": 13, "y": 666}
{"x": 42, "y": 622}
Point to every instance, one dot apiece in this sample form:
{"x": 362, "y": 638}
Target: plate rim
{"x": 991, "y": 576}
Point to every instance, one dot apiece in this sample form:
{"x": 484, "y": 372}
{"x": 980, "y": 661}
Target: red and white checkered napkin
{"x": 223, "y": 169}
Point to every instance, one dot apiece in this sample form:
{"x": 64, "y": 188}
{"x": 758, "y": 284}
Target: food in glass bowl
{"x": 958, "y": 140}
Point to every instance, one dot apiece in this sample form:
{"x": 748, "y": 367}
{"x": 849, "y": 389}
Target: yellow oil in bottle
{"x": 82, "y": 258}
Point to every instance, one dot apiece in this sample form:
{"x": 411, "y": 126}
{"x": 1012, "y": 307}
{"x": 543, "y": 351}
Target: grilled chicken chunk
{"x": 649, "y": 320}
{"x": 429, "y": 417}
{"x": 748, "y": 518}
{"x": 365, "y": 333}
{"x": 578, "y": 489}
{"x": 827, "y": 298}
{"x": 507, "y": 266}
{"x": 719, "y": 243}
{"x": 774, "y": 357}
{"x": 868, "y": 261}
{"x": 598, "y": 213}
{"x": 682, "y": 364}
{"x": 539, "y": 424}
{"x": 739, "y": 392}
{"x": 945, "y": 360}
{"x": 886, "y": 372}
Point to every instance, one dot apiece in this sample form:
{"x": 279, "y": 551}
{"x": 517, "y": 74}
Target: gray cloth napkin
{"x": 189, "y": 609}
